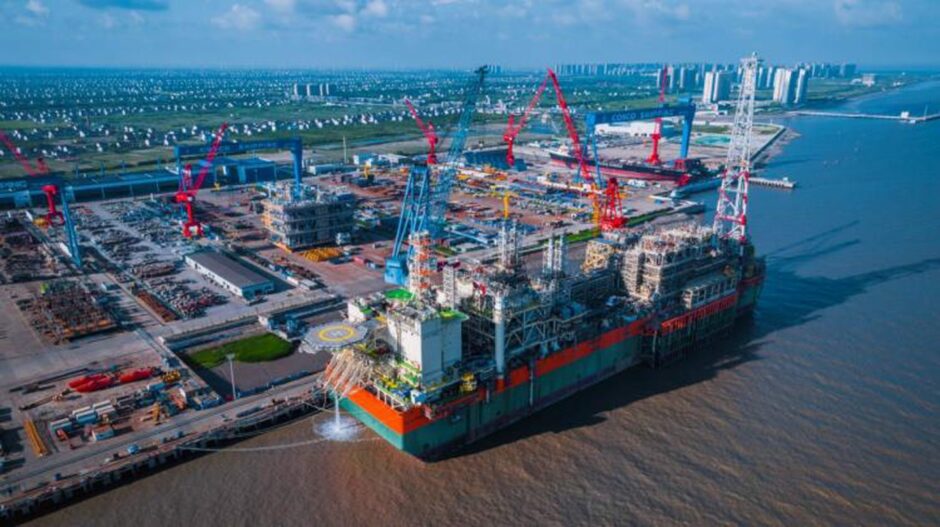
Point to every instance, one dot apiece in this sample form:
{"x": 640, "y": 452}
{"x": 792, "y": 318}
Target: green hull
{"x": 472, "y": 422}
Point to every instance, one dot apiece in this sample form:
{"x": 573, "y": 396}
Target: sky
{"x": 463, "y": 33}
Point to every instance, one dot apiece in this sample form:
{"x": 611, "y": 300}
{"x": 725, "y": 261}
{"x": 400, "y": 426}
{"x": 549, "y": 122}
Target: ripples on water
{"x": 821, "y": 410}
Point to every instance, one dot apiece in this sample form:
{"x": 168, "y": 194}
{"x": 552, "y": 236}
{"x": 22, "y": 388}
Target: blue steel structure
{"x": 424, "y": 204}
{"x": 686, "y": 110}
{"x": 294, "y": 144}
{"x": 72, "y": 235}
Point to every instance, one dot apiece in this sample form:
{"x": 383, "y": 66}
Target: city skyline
{"x": 397, "y": 34}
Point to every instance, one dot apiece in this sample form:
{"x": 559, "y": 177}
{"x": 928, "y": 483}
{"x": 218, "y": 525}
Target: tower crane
{"x": 428, "y": 130}
{"x": 426, "y": 193}
{"x": 187, "y": 196}
{"x": 654, "y": 159}
{"x": 731, "y": 212}
{"x": 607, "y": 212}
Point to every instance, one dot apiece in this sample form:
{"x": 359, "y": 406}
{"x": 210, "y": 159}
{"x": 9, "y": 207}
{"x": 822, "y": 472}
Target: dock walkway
{"x": 904, "y": 117}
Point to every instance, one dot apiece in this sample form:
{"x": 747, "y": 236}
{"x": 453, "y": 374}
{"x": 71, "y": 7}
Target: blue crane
{"x": 424, "y": 204}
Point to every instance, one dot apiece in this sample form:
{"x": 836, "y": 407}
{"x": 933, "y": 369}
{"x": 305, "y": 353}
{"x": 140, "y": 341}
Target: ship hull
{"x": 528, "y": 389}
{"x": 641, "y": 172}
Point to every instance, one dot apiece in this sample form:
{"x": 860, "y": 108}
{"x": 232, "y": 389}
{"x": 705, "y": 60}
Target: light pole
{"x": 231, "y": 372}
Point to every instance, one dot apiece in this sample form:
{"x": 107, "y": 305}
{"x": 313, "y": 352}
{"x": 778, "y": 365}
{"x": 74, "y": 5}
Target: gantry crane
{"x": 426, "y": 192}
{"x": 189, "y": 189}
{"x": 427, "y": 128}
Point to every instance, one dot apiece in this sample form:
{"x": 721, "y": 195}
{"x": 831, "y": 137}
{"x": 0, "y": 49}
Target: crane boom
{"x": 210, "y": 157}
{"x": 27, "y": 166}
{"x": 513, "y": 129}
{"x": 442, "y": 184}
{"x": 428, "y": 130}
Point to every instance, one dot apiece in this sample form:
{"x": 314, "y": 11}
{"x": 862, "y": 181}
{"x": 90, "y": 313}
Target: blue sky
{"x": 461, "y": 33}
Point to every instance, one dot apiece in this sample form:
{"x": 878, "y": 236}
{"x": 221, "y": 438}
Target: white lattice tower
{"x": 509, "y": 245}
{"x": 731, "y": 212}
{"x": 419, "y": 265}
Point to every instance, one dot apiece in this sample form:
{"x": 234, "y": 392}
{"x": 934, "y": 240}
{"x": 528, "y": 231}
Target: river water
{"x": 825, "y": 409}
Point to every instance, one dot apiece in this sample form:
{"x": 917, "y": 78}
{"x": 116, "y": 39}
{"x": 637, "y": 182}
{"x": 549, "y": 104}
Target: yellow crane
{"x": 506, "y": 195}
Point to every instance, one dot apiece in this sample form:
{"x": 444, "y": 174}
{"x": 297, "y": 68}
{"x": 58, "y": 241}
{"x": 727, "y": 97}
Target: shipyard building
{"x": 231, "y": 275}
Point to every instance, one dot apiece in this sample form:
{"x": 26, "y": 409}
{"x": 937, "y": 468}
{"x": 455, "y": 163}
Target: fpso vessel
{"x": 436, "y": 367}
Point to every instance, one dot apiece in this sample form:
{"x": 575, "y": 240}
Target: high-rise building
{"x": 296, "y": 91}
{"x": 309, "y": 90}
{"x": 790, "y": 86}
{"x": 324, "y": 89}
{"x": 717, "y": 86}
{"x": 847, "y": 71}
{"x": 802, "y": 80}
{"x": 686, "y": 78}
{"x": 782, "y": 86}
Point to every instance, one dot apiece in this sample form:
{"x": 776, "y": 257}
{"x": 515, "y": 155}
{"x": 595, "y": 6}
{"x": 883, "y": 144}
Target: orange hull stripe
{"x": 404, "y": 422}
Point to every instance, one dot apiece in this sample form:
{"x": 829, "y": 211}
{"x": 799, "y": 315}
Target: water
{"x": 340, "y": 428}
{"x": 823, "y": 410}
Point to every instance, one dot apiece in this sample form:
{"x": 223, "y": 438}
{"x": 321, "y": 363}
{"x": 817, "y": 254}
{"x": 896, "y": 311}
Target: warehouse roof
{"x": 228, "y": 269}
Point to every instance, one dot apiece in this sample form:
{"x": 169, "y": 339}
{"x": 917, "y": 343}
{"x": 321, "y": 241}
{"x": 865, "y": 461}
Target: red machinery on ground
{"x": 428, "y": 130}
{"x": 608, "y": 213}
{"x": 53, "y": 216}
{"x": 187, "y": 193}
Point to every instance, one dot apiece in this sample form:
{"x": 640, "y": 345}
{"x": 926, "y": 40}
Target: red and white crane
{"x": 53, "y": 215}
{"x": 187, "y": 196}
{"x": 428, "y": 130}
{"x": 608, "y": 212}
{"x": 654, "y": 159}
{"x": 731, "y": 211}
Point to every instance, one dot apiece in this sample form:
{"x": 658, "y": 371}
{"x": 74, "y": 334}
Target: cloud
{"x": 346, "y": 22}
{"x": 145, "y": 5}
{"x": 867, "y": 13}
{"x": 376, "y": 8}
{"x": 37, "y": 8}
{"x": 34, "y": 14}
{"x": 238, "y": 17}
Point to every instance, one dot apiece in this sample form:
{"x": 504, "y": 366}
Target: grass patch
{"x": 257, "y": 348}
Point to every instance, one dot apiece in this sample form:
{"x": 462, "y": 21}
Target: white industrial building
{"x": 635, "y": 128}
{"x": 230, "y": 274}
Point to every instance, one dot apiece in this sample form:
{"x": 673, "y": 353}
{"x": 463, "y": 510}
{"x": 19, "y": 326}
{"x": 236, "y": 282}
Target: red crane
{"x": 612, "y": 211}
{"x": 53, "y": 216}
{"x": 513, "y": 128}
{"x": 188, "y": 196}
{"x": 608, "y": 214}
{"x": 428, "y": 130}
{"x": 654, "y": 159}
